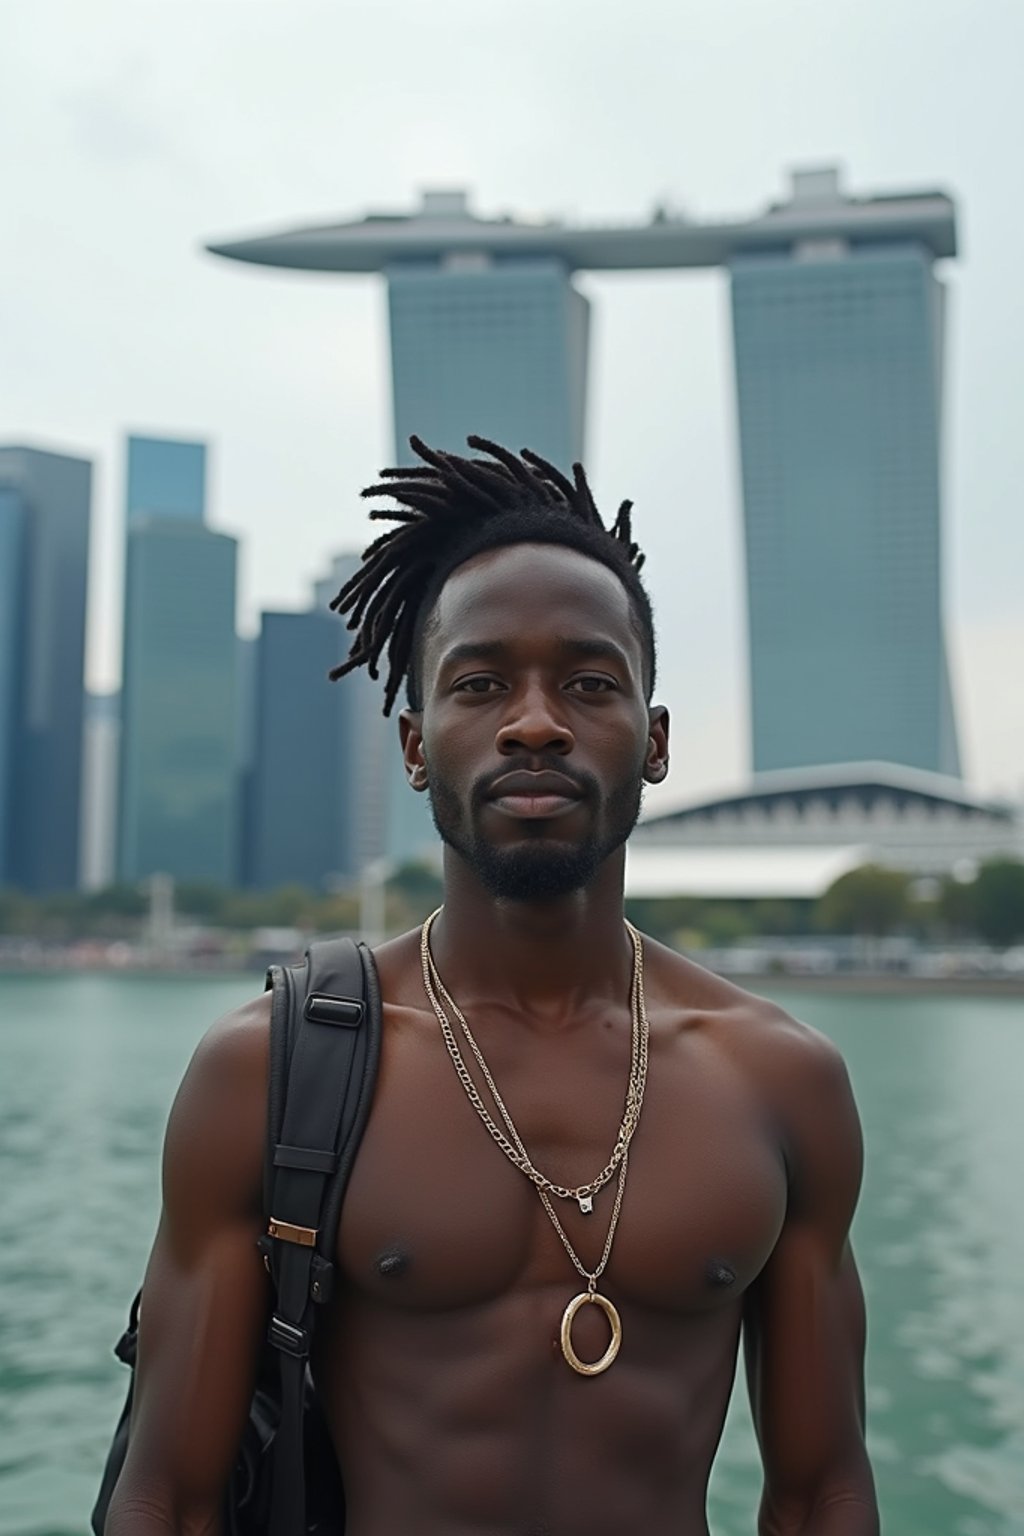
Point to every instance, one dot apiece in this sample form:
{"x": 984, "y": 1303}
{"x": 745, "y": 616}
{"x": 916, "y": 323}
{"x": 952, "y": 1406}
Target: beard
{"x": 538, "y": 868}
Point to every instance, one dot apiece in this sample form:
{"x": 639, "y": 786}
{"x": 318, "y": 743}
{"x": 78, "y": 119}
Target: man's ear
{"x": 656, "y": 761}
{"x": 410, "y": 733}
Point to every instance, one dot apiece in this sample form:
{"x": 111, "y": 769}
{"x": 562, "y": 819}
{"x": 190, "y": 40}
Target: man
{"x": 527, "y": 1341}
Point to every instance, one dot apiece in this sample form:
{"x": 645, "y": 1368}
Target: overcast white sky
{"x": 135, "y": 131}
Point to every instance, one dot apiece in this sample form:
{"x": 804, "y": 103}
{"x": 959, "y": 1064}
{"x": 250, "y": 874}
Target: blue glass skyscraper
{"x": 301, "y": 811}
{"x": 45, "y": 501}
{"x": 372, "y": 753}
{"x": 179, "y": 768}
{"x": 13, "y": 516}
{"x": 839, "y": 378}
{"x": 179, "y": 762}
{"x": 165, "y": 477}
{"x": 496, "y": 348}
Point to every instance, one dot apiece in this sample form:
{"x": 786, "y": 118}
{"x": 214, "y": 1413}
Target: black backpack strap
{"x": 325, "y": 1047}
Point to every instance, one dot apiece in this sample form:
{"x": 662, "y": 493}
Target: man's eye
{"x": 477, "y": 685}
{"x": 593, "y": 684}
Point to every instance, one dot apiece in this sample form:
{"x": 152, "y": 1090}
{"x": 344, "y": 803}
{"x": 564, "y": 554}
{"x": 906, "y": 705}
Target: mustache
{"x": 584, "y": 783}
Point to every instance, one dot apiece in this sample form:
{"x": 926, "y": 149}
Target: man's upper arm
{"x": 804, "y": 1325}
{"x": 205, "y": 1293}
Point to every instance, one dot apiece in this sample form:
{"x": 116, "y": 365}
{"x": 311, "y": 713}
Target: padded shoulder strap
{"x": 325, "y": 1044}
{"x": 326, "y": 1039}
{"x": 332, "y": 1008}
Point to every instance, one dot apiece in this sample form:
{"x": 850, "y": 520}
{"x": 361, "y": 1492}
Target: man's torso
{"x": 440, "y": 1365}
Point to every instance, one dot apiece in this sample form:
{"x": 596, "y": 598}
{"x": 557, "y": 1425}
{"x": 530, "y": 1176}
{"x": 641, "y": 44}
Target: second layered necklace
{"x": 511, "y": 1143}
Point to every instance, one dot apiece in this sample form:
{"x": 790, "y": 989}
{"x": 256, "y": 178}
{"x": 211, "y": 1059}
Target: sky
{"x": 134, "y": 132}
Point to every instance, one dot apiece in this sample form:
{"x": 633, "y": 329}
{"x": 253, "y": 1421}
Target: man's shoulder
{"x": 760, "y": 1036}
{"x": 237, "y": 1042}
{"x": 216, "y": 1133}
{"x": 794, "y": 1076}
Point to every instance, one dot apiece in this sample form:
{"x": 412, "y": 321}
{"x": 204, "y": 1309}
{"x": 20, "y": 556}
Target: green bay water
{"x": 88, "y": 1066}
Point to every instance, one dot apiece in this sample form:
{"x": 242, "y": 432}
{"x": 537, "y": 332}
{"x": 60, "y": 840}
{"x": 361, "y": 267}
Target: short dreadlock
{"x": 450, "y": 509}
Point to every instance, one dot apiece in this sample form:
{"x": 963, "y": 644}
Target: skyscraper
{"x": 165, "y": 477}
{"x": 301, "y": 810}
{"x": 497, "y": 348}
{"x": 247, "y": 656}
{"x": 373, "y": 804}
{"x": 838, "y": 345}
{"x": 13, "y": 517}
{"x": 179, "y": 771}
{"x": 45, "y": 501}
{"x": 500, "y": 351}
{"x": 839, "y": 376}
{"x": 391, "y": 820}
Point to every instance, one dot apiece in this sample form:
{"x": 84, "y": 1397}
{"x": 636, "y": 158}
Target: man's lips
{"x": 533, "y": 794}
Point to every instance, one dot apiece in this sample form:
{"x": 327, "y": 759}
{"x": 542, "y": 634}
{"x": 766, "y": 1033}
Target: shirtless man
{"x": 524, "y": 638}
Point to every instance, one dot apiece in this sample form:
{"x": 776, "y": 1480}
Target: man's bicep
{"x": 204, "y": 1296}
{"x": 804, "y": 1347}
{"x": 804, "y": 1325}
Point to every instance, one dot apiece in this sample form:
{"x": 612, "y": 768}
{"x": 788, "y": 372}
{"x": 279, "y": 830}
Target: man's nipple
{"x": 392, "y": 1263}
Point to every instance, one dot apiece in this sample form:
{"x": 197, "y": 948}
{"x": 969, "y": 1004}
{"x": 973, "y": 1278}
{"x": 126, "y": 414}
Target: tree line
{"x": 871, "y": 900}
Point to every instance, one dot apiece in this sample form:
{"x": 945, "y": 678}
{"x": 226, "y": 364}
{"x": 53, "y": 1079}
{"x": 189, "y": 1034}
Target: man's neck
{"x": 545, "y": 958}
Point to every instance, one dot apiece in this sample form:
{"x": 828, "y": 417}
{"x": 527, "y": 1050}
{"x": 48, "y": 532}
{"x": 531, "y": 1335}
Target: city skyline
{"x": 127, "y": 324}
{"x": 222, "y": 759}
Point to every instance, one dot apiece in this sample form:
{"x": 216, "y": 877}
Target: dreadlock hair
{"x": 449, "y": 509}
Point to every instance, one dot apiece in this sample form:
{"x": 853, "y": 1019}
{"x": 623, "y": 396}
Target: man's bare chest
{"x": 437, "y": 1218}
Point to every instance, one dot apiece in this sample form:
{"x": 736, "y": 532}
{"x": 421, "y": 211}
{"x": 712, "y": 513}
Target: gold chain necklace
{"x": 514, "y": 1149}
{"x": 516, "y": 1152}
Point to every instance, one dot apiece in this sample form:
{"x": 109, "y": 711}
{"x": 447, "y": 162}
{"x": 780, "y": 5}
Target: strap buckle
{"x": 322, "y": 1009}
{"x": 288, "y": 1232}
{"x": 288, "y": 1338}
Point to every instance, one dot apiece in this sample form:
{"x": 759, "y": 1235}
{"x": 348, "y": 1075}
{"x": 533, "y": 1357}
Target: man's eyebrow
{"x": 493, "y": 650}
{"x": 607, "y": 650}
{"x": 473, "y": 650}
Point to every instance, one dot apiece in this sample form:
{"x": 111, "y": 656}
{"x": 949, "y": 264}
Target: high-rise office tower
{"x": 45, "y": 503}
{"x": 493, "y": 347}
{"x": 12, "y": 540}
{"x": 165, "y": 477}
{"x": 301, "y": 812}
{"x": 838, "y": 341}
{"x": 179, "y": 771}
{"x": 496, "y": 350}
{"x": 392, "y": 821}
{"x": 373, "y": 805}
{"x": 839, "y": 374}
{"x": 247, "y": 656}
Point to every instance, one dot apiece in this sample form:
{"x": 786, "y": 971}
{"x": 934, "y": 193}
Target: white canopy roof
{"x": 737, "y": 873}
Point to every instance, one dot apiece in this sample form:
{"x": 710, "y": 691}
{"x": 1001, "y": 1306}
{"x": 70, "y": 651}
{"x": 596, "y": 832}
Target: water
{"x": 88, "y": 1065}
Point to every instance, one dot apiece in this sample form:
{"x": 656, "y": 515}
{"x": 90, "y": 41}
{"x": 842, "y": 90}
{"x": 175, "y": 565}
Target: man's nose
{"x": 535, "y": 722}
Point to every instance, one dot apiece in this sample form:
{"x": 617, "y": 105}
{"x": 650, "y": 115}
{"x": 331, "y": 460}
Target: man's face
{"x": 535, "y": 738}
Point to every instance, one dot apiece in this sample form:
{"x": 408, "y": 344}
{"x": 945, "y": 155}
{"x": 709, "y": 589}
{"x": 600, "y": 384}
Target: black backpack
{"x": 324, "y": 1050}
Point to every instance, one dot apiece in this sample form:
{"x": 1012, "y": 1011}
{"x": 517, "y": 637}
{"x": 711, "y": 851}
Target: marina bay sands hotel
{"x": 838, "y": 338}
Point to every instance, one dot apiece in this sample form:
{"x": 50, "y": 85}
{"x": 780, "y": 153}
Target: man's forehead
{"x": 497, "y": 589}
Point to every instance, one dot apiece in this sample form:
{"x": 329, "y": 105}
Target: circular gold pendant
{"x": 568, "y": 1317}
